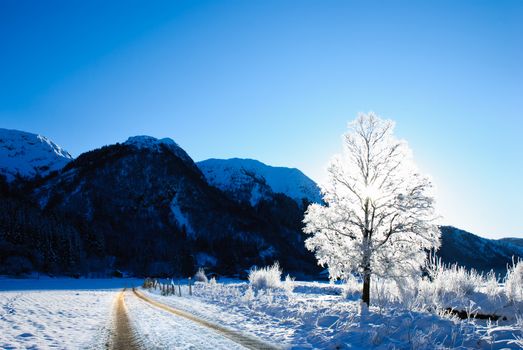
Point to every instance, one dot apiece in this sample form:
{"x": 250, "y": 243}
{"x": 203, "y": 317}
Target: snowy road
{"x": 96, "y": 314}
{"x": 123, "y": 337}
{"x": 158, "y": 326}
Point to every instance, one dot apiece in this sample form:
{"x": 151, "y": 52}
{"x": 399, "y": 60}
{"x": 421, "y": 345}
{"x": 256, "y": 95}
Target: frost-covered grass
{"x": 457, "y": 288}
{"x": 448, "y": 287}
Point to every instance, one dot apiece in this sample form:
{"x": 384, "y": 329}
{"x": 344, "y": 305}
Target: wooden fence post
{"x": 190, "y": 286}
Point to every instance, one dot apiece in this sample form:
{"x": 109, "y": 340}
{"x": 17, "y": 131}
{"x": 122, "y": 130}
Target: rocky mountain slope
{"x": 28, "y": 155}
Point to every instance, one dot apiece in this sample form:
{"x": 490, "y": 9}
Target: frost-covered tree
{"x": 378, "y": 217}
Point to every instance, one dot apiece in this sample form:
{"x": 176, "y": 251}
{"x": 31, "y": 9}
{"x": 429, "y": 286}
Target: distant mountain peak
{"x": 28, "y": 155}
{"x": 251, "y": 180}
{"x": 144, "y": 141}
{"x": 154, "y": 144}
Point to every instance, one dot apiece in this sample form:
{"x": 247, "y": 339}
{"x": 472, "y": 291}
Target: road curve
{"x": 237, "y": 337}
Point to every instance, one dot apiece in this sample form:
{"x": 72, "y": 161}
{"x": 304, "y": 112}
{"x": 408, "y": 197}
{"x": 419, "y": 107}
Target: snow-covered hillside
{"x": 29, "y": 154}
{"x": 255, "y": 180}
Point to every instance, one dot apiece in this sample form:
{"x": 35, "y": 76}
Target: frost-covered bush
{"x": 427, "y": 297}
{"x": 454, "y": 279}
{"x": 384, "y": 293}
{"x": 459, "y": 280}
{"x": 444, "y": 287}
{"x": 491, "y": 286}
{"x": 288, "y": 284}
{"x": 200, "y": 276}
{"x": 514, "y": 282}
{"x": 455, "y": 287}
{"x": 212, "y": 281}
{"x": 268, "y": 277}
{"x": 248, "y": 296}
{"x": 351, "y": 287}
{"x": 407, "y": 290}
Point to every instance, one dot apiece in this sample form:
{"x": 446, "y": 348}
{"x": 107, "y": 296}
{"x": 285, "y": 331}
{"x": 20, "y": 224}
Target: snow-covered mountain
{"x": 251, "y": 180}
{"x": 29, "y": 155}
{"x": 149, "y": 193}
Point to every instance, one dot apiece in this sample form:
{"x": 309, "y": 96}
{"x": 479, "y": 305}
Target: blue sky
{"x": 279, "y": 80}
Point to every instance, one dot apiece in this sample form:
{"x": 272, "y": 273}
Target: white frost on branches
{"x": 378, "y": 217}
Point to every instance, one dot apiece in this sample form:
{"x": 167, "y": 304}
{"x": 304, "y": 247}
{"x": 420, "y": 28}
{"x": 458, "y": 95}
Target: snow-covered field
{"x": 78, "y": 314}
{"x": 51, "y": 313}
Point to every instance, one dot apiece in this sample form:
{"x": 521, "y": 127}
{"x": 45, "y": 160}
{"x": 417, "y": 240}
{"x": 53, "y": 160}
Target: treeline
{"x": 31, "y": 239}
{"x": 52, "y": 242}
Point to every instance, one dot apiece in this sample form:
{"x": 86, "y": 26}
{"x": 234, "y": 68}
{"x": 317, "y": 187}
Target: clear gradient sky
{"x": 279, "y": 80}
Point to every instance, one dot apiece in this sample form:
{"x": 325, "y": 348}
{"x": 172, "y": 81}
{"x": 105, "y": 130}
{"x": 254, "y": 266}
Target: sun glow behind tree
{"x": 379, "y": 217}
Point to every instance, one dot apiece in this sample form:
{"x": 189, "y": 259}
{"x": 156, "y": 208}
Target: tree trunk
{"x": 365, "y": 297}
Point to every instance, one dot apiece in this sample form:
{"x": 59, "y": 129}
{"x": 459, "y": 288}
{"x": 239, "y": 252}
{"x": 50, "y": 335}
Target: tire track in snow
{"x": 246, "y": 341}
{"x": 123, "y": 337}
